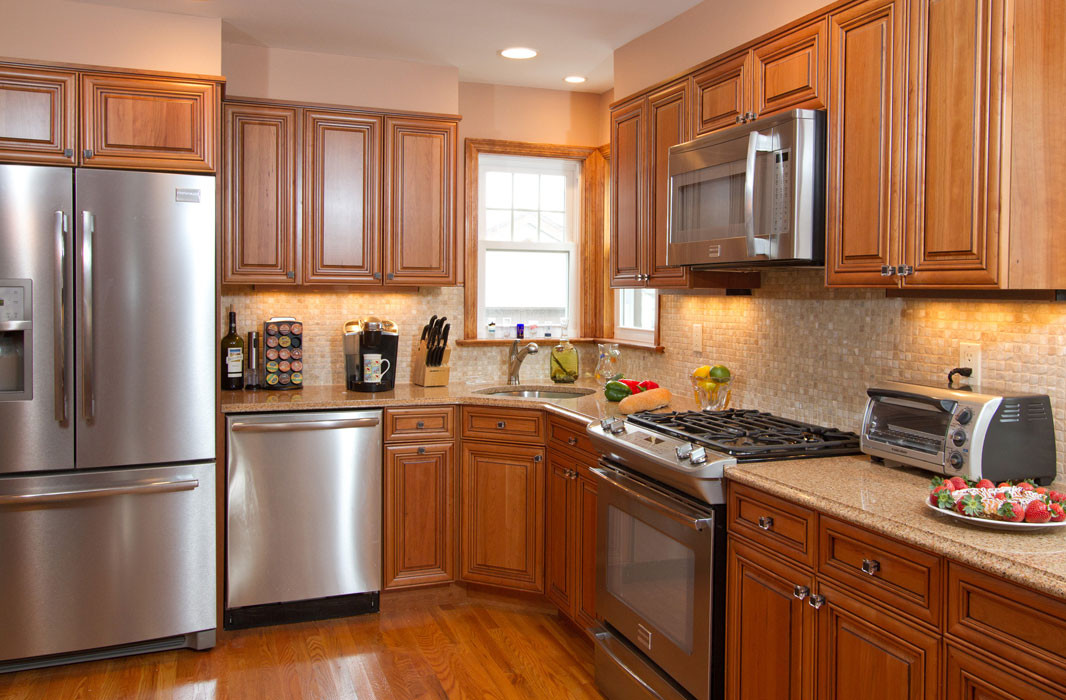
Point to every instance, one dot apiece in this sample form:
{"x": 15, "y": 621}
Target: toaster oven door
{"x": 911, "y": 429}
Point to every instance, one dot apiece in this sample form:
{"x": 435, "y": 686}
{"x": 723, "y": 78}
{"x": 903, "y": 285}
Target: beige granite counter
{"x": 892, "y": 502}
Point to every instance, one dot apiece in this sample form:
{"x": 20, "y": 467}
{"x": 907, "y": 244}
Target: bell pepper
{"x": 635, "y": 387}
{"x": 616, "y": 391}
{"x": 648, "y": 385}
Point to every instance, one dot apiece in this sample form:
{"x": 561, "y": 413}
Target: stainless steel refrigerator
{"x": 107, "y": 453}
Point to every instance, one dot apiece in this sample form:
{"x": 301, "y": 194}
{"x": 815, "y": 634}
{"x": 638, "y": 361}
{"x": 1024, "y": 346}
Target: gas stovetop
{"x": 751, "y": 435}
{"x": 689, "y": 451}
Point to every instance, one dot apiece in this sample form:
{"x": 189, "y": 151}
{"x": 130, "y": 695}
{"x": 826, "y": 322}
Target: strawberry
{"x": 1057, "y": 497}
{"x": 1037, "y": 512}
{"x": 1001, "y": 495}
{"x": 1011, "y": 511}
{"x": 934, "y": 496}
{"x": 985, "y": 484}
{"x": 1057, "y": 513}
{"x": 958, "y": 483}
{"x": 1003, "y": 485}
{"x": 1042, "y": 491}
{"x": 1025, "y": 485}
{"x": 971, "y": 505}
{"x": 944, "y": 500}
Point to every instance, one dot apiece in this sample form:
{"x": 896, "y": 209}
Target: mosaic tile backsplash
{"x": 795, "y": 348}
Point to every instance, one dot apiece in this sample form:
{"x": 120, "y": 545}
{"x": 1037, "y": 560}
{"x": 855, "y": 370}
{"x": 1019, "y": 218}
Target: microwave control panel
{"x": 782, "y": 191}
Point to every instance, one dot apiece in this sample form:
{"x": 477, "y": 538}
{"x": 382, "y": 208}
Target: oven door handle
{"x": 647, "y": 497}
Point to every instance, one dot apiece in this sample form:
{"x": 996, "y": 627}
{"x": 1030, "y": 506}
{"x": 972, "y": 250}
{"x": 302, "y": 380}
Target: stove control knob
{"x": 955, "y": 460}
{"x": 699, "y": 455}
{"x": 618, "y": 427}
{"x": 683, "y": 452}
{"x": 965, "y": 416}
{"x": 605, "y": 424}
{"x": 958, "y": 438}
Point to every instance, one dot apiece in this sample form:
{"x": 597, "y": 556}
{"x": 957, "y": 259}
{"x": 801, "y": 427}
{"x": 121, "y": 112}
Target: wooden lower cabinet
{"x": 769, "y": 625}
{"x": 974, "y": 677}
{"x": 570, "y": 537}
{"x": 585, "y": 588}
{"x": 502, "y": 515}
{"x": 419, "y": 514}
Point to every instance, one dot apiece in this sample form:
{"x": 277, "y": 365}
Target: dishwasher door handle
{"x": 304, "y": 425}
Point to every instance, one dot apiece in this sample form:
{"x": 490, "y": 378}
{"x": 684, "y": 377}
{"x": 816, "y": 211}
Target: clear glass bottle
{"x": 608, "y": 367}
{"x": 563, "y": 362}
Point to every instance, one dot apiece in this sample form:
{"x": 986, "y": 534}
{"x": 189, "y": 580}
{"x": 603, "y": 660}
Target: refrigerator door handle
{"x": 107, "y": 491}
{"x": 88, "y": 222}
{"x": 59, "y": 322}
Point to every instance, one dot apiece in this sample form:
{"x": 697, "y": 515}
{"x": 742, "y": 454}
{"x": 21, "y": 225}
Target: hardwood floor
{"x": 439, "y": 643}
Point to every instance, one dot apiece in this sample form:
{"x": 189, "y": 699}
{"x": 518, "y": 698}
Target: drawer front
{"x": 419, "y": 424}
{"x": 784, "y": 527}
{"x": 503, "y": 424}
{"x": 891, "y": 572}
{"x": 1013, "y": 623}
{"x": 570, "y": 435}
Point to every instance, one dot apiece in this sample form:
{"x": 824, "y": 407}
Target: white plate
{"x": 994, "y": 524}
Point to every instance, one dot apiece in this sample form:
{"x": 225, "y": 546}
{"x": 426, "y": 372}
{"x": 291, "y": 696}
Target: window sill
{"x": 500, "y": 342}
{"x": 632, "y": 344}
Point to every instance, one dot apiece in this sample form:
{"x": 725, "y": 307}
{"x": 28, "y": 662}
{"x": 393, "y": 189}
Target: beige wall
{"x": 77, "y": 32}
{"x": 703, "y": 32}
{"x": 529, "y": 114}
{"x": 257, "y": 71}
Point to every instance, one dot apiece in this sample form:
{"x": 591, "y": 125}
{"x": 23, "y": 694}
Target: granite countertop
{"x": 891, "y": 502}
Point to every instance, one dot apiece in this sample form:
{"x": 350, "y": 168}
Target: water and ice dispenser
{"x": 16, "y": 340}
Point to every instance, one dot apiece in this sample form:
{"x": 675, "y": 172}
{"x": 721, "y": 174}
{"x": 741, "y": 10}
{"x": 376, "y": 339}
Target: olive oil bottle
{"x": 563, "y": 361}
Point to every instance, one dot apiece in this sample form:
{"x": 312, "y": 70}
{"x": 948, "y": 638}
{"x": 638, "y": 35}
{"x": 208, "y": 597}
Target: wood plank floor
{"x": 440, "y": 643}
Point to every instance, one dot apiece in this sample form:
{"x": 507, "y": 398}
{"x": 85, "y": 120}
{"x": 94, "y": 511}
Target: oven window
{"x": 652, "y": 574}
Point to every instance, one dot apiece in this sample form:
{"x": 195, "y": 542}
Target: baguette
{"x": 645, "y": 401}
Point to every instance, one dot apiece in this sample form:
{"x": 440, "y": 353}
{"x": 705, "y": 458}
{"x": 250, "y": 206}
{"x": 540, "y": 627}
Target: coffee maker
{"x": 370, "y": 346}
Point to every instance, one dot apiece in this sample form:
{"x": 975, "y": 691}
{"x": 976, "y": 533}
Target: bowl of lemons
{"x": 710, "y": 387}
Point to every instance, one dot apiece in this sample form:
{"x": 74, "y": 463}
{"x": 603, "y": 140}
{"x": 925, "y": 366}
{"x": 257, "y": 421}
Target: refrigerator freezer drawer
{"x": 105, "y": 558}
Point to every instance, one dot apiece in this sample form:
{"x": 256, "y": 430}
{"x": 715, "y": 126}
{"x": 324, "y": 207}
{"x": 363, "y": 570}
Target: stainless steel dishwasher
{"x": 303, "y": 516}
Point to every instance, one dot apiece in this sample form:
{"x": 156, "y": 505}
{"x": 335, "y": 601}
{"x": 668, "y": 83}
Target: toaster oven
{"x": 961, "y": 433}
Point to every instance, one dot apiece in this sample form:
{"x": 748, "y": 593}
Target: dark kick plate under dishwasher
{"x": 301, "y": 611}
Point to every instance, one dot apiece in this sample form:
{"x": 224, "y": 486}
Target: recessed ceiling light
{"x": 518, "y": 52}
{"x": 574, "y": 79}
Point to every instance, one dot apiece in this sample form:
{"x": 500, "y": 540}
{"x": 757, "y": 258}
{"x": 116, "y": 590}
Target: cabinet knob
{"x": 816, "y": 601}
{"x": 801, "y": 592}
{"x": 421, "y": 450}
{"x": 501, "y": 424}
{"x": 739, "y": 119}
{"x": 887, "y": 270}
{"x": 290, "y": 275}
{"x": 421, "y": 424}
{"x": 390, "y": 276}
{"x": 871, "y": 566}
{"x": 538, "y": 458}
{"x": 766, "y": 522}
{"x": 571, "y": 440}
{"x": 88, "y": 153}
{"x": 68, "y": 152}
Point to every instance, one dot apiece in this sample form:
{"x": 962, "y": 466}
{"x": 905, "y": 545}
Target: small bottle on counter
{"x": 492, "y": 328}
{"x": 563, "y": 366}
{"x": 232, "y": 356}
{"x": 520, "y": 330}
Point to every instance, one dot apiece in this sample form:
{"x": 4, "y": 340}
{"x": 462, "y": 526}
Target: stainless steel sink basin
{"x": 538, "y": 393}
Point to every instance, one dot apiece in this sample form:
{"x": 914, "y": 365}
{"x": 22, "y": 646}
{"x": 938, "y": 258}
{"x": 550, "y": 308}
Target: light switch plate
{"x": 697, "y": 337}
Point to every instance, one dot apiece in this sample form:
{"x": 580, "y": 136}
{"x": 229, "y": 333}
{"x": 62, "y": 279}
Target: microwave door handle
{"x": 756, "y": 246}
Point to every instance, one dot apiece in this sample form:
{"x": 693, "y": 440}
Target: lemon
{"x": 703, "y": 372}
{"x": 719, "y": 373}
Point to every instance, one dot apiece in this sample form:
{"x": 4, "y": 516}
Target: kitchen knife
{"x": 443, "y": 346}
{"x": 430, "y": 344}
{"x": 425, "y": 332}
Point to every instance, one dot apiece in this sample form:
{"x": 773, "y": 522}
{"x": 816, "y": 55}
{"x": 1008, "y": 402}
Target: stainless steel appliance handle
{"x": 756, "y": 143}
{"x": 646, "y": 496}
{"x": 83, "y": 494}
{"x": 629, "y": 672}
{"x": 59, "y": 326}
{"x": 89, "y": 406}
{"x": 304, "y": 425}
{"x": 16, "y": 325}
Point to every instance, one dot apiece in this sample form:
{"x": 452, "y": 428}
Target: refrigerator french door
{"x": 107, "y": 367}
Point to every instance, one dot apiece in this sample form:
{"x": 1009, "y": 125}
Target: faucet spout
{"x": 515, "y": 357}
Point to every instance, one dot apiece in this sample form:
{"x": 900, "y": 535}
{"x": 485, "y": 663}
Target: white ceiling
{"x": 571, "y": 36}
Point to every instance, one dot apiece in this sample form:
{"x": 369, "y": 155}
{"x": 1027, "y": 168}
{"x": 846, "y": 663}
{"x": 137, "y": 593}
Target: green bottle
{"x": 564, "y": 361}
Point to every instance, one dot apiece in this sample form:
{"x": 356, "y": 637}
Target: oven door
{"x": 655, "y": 555}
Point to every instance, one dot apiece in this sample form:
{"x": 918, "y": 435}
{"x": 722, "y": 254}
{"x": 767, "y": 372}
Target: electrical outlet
{"x": 697, "y": 337}
{"x": 970, "y": 356}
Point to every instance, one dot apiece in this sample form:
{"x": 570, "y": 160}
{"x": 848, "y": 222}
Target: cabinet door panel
{"x": 722, "y": 93}
{"x": 866, "y": 100}
{"x": 559, "y": 533}
{"x": 957, "y": 64}
{"x": 37, "y": 116}
{"x": 419, "y": 203}
{"x": 585, "y": 539}
{"x": 503, "y": 515}
{"x": 769, "y": 630}
{"x": 973, "y": 677}
{"x": 627, "y": 195}
{"x": 148, "y": 123}
{"x": 789, "y": 71}
{"x": 668, "y": 125}
{"x": 259, "y": 195}
{"x": 419, "y": 516}
{"x": 342, "y": 188}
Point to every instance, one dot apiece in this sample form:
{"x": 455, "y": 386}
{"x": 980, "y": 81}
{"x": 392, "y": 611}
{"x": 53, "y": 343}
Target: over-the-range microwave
{"x": 750, "y": 195}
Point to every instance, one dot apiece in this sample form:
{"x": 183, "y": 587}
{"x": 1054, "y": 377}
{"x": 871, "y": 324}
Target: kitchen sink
{"x": 532, "y": 393}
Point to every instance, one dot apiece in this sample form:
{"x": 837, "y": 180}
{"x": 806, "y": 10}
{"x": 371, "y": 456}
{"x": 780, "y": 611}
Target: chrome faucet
{"x": 515, "y": 357}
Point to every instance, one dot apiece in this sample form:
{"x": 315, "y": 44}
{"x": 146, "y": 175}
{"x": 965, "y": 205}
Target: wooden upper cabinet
{"x": 722, "y": 93}
{"x": 37, "y": 116}
{"x": 148, "y": 123}
{"x": 341, "y": 195}
{"x": 259, "y": 195}
{"x": 628, "y": 171}
{"x": 865, "y": 143}
{"x": 788, "y": 72}
{"x": 420, "y": 172}
{"x": 668, "y": 125}
{"x": 419, "y": 518}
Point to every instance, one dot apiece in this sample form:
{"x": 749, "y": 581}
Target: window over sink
{"x": 636, "y": 313}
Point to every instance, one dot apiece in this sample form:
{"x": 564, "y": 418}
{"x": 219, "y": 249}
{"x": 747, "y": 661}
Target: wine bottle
{"x": 232, "y": 355}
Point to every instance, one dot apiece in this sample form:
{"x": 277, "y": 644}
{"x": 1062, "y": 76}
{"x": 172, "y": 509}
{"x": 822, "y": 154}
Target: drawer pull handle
{"x": 421, "y": 424}
{"x": 816, "y": 601}
{"x": 501, "y": 424}
{"x": 871, "y": 566}
{"x": 801, "y": 592}
{"x": 571, "y": 440}
{"x": 766, "y": 522}
{"x": 421, "y": 450}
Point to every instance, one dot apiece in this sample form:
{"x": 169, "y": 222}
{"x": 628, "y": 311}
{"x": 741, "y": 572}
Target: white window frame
{"x": 522, "y": 164}
{"x": 643, "y": 336}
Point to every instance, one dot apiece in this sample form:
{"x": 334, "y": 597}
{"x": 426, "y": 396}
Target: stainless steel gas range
{"x": 660, "y": 554}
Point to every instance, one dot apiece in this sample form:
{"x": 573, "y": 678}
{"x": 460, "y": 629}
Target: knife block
{"x": 424, "y": 375}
